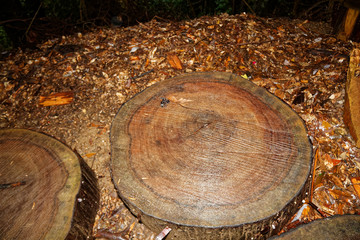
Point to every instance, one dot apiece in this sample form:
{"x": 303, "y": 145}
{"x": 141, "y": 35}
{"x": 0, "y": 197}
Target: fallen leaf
{"x": 326, "y": 125}
{"x": 174, "y": 61}
{"x": 89, "y": 154}
{"x": 134, "y": 58}
{"x": 356, "y": 184}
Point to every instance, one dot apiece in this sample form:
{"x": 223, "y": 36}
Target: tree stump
{"x": 344, "y": 227}
{"x": 352, "y": 100}
{"x": 349, "y": 21}
{"x": 212, "y": 156}
{"x": 47, "y": 191}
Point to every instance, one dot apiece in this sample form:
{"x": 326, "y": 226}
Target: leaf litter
{"x": 72, "y": 87}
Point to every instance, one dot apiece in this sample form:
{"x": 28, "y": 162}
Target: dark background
{"x": 28, "y": 22}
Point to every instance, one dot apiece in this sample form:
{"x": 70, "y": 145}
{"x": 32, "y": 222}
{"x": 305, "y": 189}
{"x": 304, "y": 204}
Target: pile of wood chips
{"x": 72, "y": 87}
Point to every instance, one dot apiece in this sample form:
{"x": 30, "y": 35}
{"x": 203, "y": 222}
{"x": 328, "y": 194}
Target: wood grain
{"x": 58, "y": 195}
{"x": 209, "y": 150}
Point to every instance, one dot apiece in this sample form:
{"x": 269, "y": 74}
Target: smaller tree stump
{"x": 344, "y": 227}
{"x": 47, "y": 191}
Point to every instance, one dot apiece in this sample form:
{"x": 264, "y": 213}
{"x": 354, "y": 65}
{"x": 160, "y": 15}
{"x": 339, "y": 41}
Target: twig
{"x": 313, "y": 174}
{"x": 314, "y": 6}
{"x": 32, "y": 20}
{"x": 255, "y": 43}
{"x": 10, "y": 185}
{"x": 324, "y": 215}
{"x": 109, "y": 235}
{"x": 251, "y": 10}
{"x": 122, "y": 235}
{"x": 141, "y": 75}
{"x": 14, "y": 20}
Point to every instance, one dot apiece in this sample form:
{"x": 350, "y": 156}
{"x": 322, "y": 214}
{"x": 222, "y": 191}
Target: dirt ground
{"x": 298, "y": 61}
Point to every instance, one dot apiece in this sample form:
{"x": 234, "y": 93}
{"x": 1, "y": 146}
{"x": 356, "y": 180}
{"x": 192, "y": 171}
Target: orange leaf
{"x": 147, "y": 62}
{"x": 174, "y": 61}
{"x": 227, "y": 62}
{"x": 134, "y": 58}
{"x": 69, "y": 68}
{"x": 281, "y": 29}
{"x": 356, "y": 183}
{"x": 326, "y": 125}
{"x": 89, "y": 154}
{"x": 327, "y": 161}
{"x": 336, "y": 161}
{"x": 56, "y": 99}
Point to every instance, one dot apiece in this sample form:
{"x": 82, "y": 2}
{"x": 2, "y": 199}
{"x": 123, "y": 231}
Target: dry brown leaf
{"x": 56, "y": 99}
{"x": 174, "y": 61}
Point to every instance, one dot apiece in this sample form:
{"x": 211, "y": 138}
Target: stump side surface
{"x": 352, "y": 100}
{"x": 344, "y": 227}
{"x": 208, "y": 150}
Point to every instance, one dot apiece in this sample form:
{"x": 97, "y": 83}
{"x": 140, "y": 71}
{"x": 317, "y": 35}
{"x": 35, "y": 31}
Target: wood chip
{"x": 356, "y": 184}
{"x": 56, "y": 99}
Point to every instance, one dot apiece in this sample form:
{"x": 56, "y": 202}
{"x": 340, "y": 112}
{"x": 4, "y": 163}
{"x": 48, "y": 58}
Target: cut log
{"x": 47, "y": 191}
{"x": 212, "y": 156}
{"x": 348, "y": 24}
{"x": 352, "y": 97}
{"x": 345, "y": 227}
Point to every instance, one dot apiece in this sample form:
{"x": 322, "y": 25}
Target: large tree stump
{"x": 211, "y": 155}
{"x": 344, "y": 227}
{"x": 47, "y": 191}
{"x": 352, "y": 97}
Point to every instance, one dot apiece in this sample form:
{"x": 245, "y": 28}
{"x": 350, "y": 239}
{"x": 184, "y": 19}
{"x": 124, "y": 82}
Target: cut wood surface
{"x": 352, "y": 97}
{"x": 344, "y": 227}
{"x": 210, "y": 155}
{"x": 47, "y": 191}
{"x": 348, "y": 24}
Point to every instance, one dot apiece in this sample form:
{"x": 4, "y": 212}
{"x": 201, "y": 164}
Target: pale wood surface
{"x": 352, "y": 97}
{"x": 207, "y": 151}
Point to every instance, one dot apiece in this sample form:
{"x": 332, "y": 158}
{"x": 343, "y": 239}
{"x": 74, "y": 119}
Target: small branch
{"x": 10, "y": 185}
{"x": 251, "y": 10}
{"x": 316, "y": 157}
{"x": 32, "y": 20}
{"x": 142, "y": 74}
{"x": 254, "y": 43}
{"x": 317, "y": 209}
{"x": 14, "y": 20}
{"x": 314, "y": 6}
{"x": 123, "y": 235}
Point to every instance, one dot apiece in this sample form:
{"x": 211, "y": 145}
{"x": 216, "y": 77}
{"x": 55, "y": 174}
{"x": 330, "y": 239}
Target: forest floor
{"x": 94, "y": 73}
